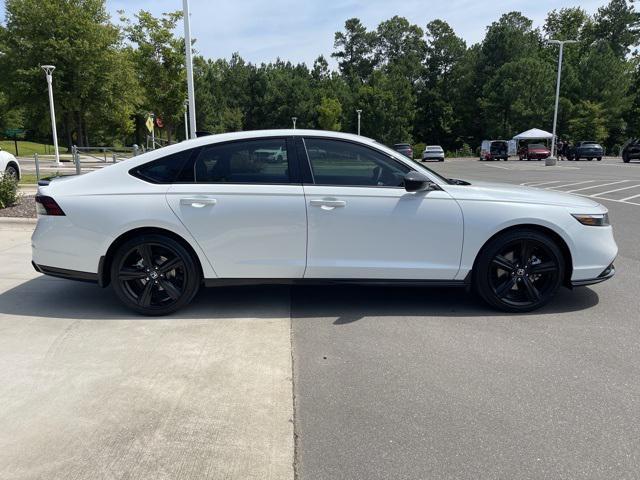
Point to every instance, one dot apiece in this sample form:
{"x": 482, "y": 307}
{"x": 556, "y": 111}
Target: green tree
{"x": 329, "y": 113}
{"x": 94, "y": 86}
{"x": 589, "y": 122}
{"x": 159, "y": 58}
{"x": 354, "y": 51}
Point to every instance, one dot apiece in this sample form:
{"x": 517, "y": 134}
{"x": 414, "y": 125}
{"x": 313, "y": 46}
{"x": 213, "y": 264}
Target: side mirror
{"x": 418, "y": 182}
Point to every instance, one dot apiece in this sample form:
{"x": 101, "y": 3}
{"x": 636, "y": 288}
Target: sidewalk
{"x": 91, "y": 391}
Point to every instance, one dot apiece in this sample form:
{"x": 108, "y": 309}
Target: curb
{"x": 17, "y": 221}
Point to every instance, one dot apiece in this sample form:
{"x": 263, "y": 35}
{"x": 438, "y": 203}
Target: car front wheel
{"x": 519, "y": 271}
{"x": 154, "y": 275}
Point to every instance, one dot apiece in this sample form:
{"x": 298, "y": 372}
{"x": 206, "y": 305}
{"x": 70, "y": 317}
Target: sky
{"x": 300, "y": 30}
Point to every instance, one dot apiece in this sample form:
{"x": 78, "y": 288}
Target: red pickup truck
{"x": 533, "y": 151}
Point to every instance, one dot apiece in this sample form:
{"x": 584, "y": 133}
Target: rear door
{"x": 245, "y": 207}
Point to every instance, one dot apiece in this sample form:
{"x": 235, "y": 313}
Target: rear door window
{"x": 262, "y": 161}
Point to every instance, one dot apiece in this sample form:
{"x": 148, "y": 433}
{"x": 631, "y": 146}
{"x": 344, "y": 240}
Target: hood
{"x": 502, "y": 192}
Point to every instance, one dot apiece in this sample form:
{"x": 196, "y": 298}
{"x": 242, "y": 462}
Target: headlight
{"x": 593, "y": 220}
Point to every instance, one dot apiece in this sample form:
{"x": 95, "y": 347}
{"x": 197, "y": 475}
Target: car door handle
{"x": 198, "y": 202}
{"x": 328, "y": 203}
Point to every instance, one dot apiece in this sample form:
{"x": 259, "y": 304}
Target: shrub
{"x": 418, "y": 150}
{"x": 8, "y": 190}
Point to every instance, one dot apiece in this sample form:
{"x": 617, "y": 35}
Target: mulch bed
{"x": 24, "y": 208}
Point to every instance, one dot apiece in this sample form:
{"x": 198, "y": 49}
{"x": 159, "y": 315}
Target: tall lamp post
{"x": 48, "y": 70}
{"x": 189, "y": 62}
{"x": 186, "y": 120}
{"x": 359, "y": 112}
{"x": 294, "y": 119}
{"x": 555, "y": 112}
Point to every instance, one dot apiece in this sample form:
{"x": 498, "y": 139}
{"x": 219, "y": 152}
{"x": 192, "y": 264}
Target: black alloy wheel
{"x": 519, "y": 271}
{"x": 154, "y": 275}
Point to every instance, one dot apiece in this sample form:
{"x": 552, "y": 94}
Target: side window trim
{"x": 379, "y": 152}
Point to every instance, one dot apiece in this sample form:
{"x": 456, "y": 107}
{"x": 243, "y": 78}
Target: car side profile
{"x": 9, "y": 164}
{"x": 327, "y": 208}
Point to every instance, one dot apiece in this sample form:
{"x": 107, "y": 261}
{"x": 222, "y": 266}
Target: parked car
{"x": 494, "y": 150}
{"x": 631, "y": 150}
{"x": 340, "y": 208}
{"x": 433, "y": 152}
{"x": 533, "y": 151}
{"x": 404, "y": 148}
{"x": 586, "y": 149}
{"x": 9, "y": 164}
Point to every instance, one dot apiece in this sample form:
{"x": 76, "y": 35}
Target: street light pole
{"x": 359, "y": 112}
{"x": 48, "y": 70}
{"x": 186, "y": 120}
{"x": 294, "y": 119}
{"x": 189, "y": 62}
{"x": 555, "y": 112}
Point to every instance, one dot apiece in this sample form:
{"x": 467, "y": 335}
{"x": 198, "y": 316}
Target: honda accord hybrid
{"x": 296, "y": 206}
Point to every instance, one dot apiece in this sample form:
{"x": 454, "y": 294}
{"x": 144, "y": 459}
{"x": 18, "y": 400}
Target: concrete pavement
{"x": 90, "y": 391}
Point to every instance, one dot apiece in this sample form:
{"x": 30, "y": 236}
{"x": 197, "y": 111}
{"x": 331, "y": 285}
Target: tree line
{"x": 413, "y": 83}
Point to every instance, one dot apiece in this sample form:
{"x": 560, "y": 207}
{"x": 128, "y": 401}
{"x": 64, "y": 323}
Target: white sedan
{"x": 9, "y": 165}
{"x": 332, "y": 208}
{"x": 433, "y": 152}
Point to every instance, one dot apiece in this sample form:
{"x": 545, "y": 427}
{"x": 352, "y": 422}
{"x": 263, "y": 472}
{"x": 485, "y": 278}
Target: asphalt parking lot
{"x": 387, "y": 383}
{"x": 415, "y": 384}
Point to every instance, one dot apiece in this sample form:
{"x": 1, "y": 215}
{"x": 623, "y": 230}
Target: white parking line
{"x": 598, "y": 196}
{"x": 571, "y": 184}
{"x": 611, "y": 191}
{"x": 596, "y": 186}
{"x": 629, "y": 198}
{"x": 538, "y": 184}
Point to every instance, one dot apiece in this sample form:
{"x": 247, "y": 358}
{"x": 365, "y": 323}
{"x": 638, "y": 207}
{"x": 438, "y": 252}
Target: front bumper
{"x": 608, "y": 273}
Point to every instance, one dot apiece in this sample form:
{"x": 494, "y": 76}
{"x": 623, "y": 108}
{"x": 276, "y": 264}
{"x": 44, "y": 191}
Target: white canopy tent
{"x": 534, "y": 134}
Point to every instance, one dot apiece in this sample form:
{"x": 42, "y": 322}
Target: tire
{"x": 626, "y": 158}
{"x": 154, "y": 275}
{"x": 504, "y": 282}
{"x": 576, "y": 158}
{"x": 441, "y": 160}
{"x": 590, "y": 159}
{"x": 12, "y": 172}
{"x": 599, "y": 159}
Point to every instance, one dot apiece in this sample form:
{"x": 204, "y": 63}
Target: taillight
{"x": 48, "y": 206}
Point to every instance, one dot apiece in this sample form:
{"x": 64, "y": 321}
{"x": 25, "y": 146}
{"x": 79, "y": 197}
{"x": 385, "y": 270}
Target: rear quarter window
{"x": 164, "y": 170}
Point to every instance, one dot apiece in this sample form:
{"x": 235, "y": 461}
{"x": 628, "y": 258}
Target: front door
{"x": 246, "y": 209}
{"x": 363, "y": 224}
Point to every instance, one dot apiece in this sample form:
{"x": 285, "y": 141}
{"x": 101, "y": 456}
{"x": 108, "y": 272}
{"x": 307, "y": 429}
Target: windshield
{"x": 537, "y": 145}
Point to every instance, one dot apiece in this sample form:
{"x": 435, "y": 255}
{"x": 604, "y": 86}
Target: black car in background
{"x": 405, "y": 149}
{"x": 631, "y": 150}
{"x": 587, "y": 149}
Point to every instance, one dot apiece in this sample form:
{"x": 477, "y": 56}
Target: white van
{"x": 494, "y": 150}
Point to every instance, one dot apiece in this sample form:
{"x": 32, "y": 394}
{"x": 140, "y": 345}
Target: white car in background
{"x": 335, "y": 208}
{"x": 433, "y": 152}
{"x": 9, "y": 164}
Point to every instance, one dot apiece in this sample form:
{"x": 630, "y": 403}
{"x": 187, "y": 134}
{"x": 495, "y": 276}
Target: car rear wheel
{"x": 599, "y": 159}
{"x": 519, "y": 271}
{"x": 625, "y": 157}
{"x": 154, "y": 275}
{"x": 12, "y": 171}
